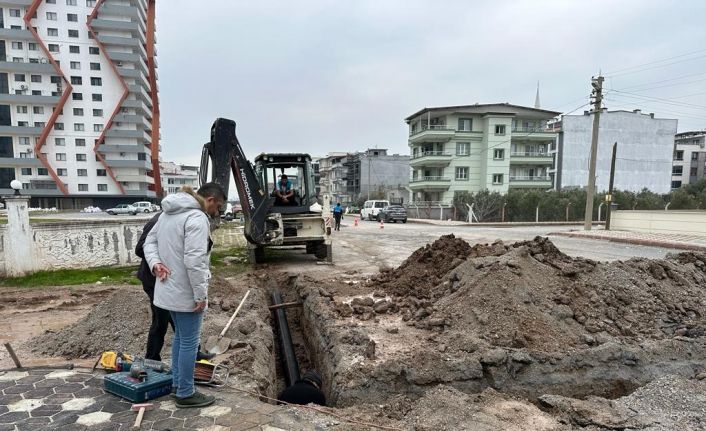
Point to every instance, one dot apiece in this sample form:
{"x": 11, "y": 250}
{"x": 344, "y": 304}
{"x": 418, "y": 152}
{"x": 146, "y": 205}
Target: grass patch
{"x": 230, "y": 262}
{"x": 67, "y": 277}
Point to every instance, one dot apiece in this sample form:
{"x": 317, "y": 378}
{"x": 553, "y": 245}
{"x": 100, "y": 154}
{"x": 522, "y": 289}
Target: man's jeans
{"x": 187, "y": 329}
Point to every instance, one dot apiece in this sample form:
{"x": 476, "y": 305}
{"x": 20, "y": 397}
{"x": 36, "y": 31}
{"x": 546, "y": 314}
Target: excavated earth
{"x": 484, "y": 337}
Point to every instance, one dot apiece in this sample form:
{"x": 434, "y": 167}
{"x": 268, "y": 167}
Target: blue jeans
{"x": 187, "y": 330}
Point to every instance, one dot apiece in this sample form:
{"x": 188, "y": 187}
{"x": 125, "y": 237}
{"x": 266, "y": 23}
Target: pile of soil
{"x": 530, "y": 295}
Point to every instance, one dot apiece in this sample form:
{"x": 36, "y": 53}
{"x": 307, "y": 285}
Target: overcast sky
{"x": 320, "y": 76}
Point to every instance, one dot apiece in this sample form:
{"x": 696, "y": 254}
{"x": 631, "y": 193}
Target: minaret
{"x": 536, "y": 98}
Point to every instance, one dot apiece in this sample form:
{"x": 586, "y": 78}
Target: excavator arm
{"x": 226, "y": 156}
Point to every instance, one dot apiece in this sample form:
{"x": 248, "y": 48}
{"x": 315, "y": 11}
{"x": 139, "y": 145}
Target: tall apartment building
{"x": 375, "y": 174}
{"x": 477, "y": 147}
{"x": 333, "y": 176}
{"x": 175, "y": 176}
{"x": 644, "y": 156}
{"x": 689, "y": 161}
{"x": 79, "y": 114}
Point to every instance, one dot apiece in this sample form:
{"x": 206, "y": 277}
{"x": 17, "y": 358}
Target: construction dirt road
{"x": 414, "y": 328}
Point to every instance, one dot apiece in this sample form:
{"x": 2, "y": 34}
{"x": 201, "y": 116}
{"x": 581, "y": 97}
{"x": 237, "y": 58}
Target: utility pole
{"x": 597, "y": 84}
{"x": 609, "y": 196}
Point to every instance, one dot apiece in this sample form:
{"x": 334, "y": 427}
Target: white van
{"x": 143, "y": 207}
{"x": 372, "y": 208}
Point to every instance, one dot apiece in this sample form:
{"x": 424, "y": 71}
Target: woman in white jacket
{"x": 177, "y": 250}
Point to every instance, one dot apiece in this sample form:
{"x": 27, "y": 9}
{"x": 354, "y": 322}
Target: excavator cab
{"x": 269, "y": 221}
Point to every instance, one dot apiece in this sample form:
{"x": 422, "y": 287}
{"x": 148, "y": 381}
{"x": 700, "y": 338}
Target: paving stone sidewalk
{"x": 74, "y": 400}
{"x": 676, "y": 241}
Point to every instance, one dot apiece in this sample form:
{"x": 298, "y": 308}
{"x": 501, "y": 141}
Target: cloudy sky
{"x": 320, "y": 76}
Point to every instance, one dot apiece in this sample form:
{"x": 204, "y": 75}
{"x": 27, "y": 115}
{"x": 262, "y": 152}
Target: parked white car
{"x": 372, "y": 208}
{"x": 144, "y": 206}
{"x": 122, "y": 209}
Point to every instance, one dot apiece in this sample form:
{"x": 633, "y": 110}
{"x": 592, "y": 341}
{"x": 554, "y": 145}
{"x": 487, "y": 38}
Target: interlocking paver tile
{"x": 166, "y": 424}
{"x": 49, "y": 383}
{"x": 33, "y": 424}
{"x": 13, "y": 375}
{"x": 12, "y": 417}
{"x": 26, "y": 405}
{"x": 198, "y": 422}
{"x": 18, "y": 389}
{"x": 46, "y": 410}
{"x": 93, "y": 418}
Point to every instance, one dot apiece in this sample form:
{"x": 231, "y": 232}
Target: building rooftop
{"x": 485, "y": 108}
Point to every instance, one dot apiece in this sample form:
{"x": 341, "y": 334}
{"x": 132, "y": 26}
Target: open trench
{"x": 369, "y": 362}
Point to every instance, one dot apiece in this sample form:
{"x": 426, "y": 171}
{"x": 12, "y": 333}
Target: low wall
{"x": 666, "y": 222}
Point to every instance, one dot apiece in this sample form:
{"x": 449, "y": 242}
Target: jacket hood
{"x": 180, "y": 202}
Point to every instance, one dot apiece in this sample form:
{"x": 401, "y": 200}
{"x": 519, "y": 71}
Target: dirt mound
{"x": 529, "y": 294}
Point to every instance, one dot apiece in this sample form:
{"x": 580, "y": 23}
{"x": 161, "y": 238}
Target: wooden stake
{"x": 13, "y": 356}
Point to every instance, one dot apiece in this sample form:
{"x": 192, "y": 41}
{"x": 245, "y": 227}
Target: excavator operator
{"x": 284, "y": 191}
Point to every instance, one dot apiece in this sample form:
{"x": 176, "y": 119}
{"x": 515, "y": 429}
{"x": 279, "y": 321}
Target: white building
{"x": 689, "y": 163}
{"x": 79, "y": 115}
{"x": 174, "y": 176}
{"x": 644, "y": 155}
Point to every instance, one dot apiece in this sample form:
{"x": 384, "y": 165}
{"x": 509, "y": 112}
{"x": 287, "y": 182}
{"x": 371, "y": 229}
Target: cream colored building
{"x": 477, "y": 147}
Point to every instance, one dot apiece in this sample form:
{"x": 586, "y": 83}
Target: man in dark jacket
{"x": 305, "y": 391}
{"x": 161, "y": 319}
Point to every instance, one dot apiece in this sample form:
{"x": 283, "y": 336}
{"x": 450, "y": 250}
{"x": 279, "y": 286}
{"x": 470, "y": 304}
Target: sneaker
{"x": 203, "y": 355}
{"x": 196, "y": 400}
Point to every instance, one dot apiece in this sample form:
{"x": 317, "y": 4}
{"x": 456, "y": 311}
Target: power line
{"x": 647, "y": 84}
{"x": 619, "y": 71}
{"x": 657, "y": 99}
{"x": 627, "y": 103}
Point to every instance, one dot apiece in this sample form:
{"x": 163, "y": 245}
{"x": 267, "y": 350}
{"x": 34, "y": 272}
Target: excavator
{"x": 269, "y": 222}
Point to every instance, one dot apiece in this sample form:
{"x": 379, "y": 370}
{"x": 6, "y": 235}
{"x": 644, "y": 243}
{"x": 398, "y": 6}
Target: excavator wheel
{"x": 310, "y": 247}
{"x": 321, "y": 251}
{"x": 256, "y": 254}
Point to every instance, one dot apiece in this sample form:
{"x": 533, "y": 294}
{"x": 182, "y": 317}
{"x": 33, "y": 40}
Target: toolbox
{"x": 130, "y": 388}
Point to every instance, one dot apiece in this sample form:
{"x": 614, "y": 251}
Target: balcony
{"x": 431, "y": 158}
{"x": 19, "y": 162}
{"x": 531, "y": 158}
{"x": 530, "y": 182}
{"x": 433, "y": 133}
{"x": 430, "y": 183}
{"x": 533, "y": 133}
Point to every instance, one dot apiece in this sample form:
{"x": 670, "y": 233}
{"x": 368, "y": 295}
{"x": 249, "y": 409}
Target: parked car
{"x": 393, "y": 213}
{"x": 156, "y": 208}
{"x": 372, "y": 208}
{"x": 122, "y": 209}
{"x": 143, "y": 207}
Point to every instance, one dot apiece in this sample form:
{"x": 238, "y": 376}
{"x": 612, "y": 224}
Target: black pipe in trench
{"x": 291, "y": 366}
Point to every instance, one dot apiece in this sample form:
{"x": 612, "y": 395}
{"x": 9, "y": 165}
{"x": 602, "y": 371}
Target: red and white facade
{"x": 82, "y": 96}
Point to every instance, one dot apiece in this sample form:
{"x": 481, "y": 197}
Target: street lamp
{"x": 16, "y": 185}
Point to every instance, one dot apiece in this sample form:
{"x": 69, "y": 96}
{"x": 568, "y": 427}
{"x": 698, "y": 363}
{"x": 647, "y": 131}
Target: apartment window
{"x": 679, "y": 155}
{"x": 60, "y": 157}
{"x": 32, "y": 46}
{"x": 51, "y": 16}
{"x": 95, "y": 66}
{"x": 80, "y": 157}
{"x": 19, "y": 77}
{"x": 96, "y": 81}
{"x": 21, "y": 109}
{"x": 75, "y": 65}
{"x": 80, "y": 142}
{"x": 26, "y": 171}
{"x": 38, "y": 109}
{"x": 93, "y": 50}
{"x": 36, "y": 78}
{"x": 461, "y": 173}
{"x": 677, "y": 170}
{"x": 78, "y": 112}
{"x": 97, "y": 112}
{"x": 23, "y": 140}
{"x": 34, "y": 60}
{"x": 76, "y": 80}
{"x": 497, "y": 178}
{"x": 72, "y": 17}
{"x": 61, "y": 172}
{"x": 694, "y": 156}
{"x": 58, "y": 126}
{"x": 694, "y": 171}
{"x": 465, "y": 124}
{"x": 676, "y": 184}
{"x": 141, "y": 156}
{"x": 499, "y": 130}
{"x": 79, "y": 127}
{"x": 498, "y": 154}
{"x": 54, "y": 79}
{"x": 463, "y": 148}
{"x": 42, "y": 171}
{"x": 74, "y": 49}
{"x": 71, "y": 2}
{"x": 97, "y": 127}
{"x": 51, "y": 1}
{"x": 73, "y": 33}
{"x": 16, "y": 45}
{"x": 41, "y": 124}
{"x": 83, "y": 187}
{"x": 77, "y": 96}
{"x": 36, "y": 92}
{"x": 60, "y": 142}
{"x": 102, "y": 187}
{"x": 101, "y": 172}
{"x": 97, "y": 97}
{"x": 52, "y": 48}
{"x": 53, "y": 31}
{"x": 82, "y": 172}
{"x": 15, "y": 13}
{"x": 18, "y": 60}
